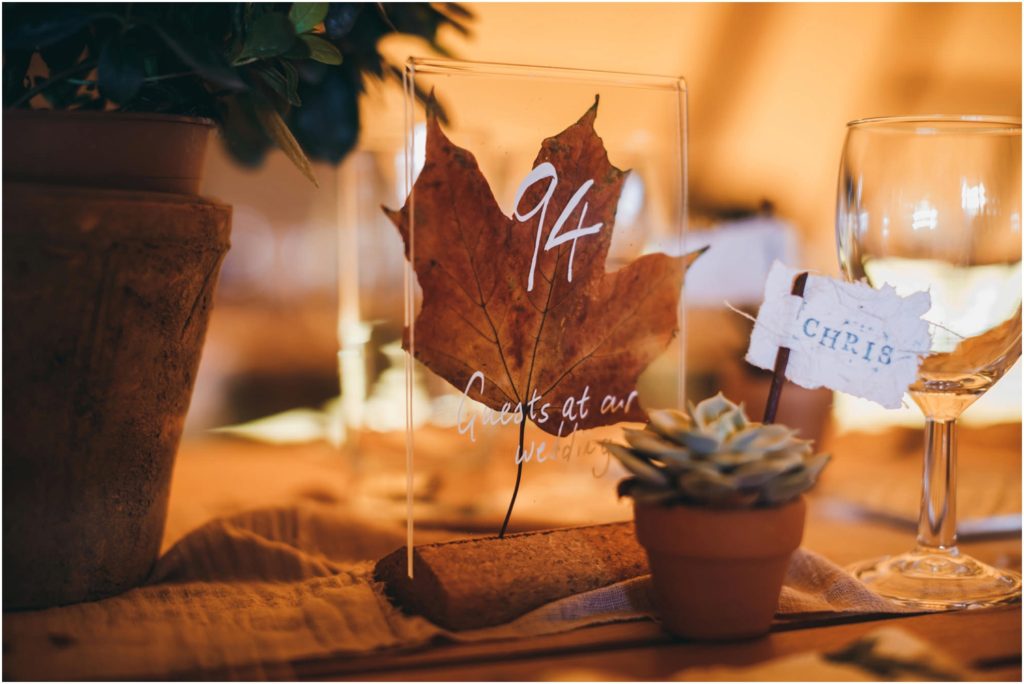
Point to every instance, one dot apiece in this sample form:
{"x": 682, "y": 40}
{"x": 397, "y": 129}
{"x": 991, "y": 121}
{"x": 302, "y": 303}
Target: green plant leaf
{"x": 121, "y": 71}
{"x": 298, "y": 50}
{"x": 327, "y": 124}
{"x": 321, "y": 50}
{"x": 31, "y": 26}
{"x": 269, "y": 35}
{"x": 204, "y": 58}
{"x": 291, "y": 75}
{"x": 306, "y": 15}
{"x": 242, "y": 130}
{"x": 278, "y": 131}
{"x": 277, "y": 81}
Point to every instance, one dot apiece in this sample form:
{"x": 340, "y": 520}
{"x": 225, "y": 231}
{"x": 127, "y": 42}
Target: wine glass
{"x": 934, "y": 203}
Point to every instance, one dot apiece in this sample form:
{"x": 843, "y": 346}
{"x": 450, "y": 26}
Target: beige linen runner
{"x": 246, "y": 595}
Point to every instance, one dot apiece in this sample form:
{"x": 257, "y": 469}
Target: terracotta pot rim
{"x": 702, "y": 532}
{"x": 115, "y": 150}
{"x": 107, "y": 116}
{"x": 712, "y": 510}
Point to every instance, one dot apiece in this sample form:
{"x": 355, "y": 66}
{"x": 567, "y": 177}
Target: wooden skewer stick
{"x": 781, "y": 361}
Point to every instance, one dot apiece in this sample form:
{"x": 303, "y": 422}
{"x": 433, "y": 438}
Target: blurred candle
{"x": 353, "y": 334}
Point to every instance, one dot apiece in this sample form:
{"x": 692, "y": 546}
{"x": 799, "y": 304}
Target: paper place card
{"x": 845, "y": 336}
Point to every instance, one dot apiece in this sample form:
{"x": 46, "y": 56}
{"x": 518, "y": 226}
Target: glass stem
{"x": 936, "y": 529}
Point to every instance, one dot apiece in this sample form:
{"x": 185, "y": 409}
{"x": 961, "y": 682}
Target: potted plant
{"x": 718, "y": 508}
{"x": 111, "y": 256}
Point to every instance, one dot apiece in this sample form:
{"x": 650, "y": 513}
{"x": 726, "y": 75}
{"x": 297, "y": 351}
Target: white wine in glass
{"x": 934, "y": 203}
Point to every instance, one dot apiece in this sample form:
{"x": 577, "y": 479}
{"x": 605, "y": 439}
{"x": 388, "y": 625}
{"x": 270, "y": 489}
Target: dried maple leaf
{"x": 525, "y": 300}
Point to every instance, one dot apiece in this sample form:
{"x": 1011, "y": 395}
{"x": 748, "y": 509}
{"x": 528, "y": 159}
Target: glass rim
{"x": 995, "y": 122}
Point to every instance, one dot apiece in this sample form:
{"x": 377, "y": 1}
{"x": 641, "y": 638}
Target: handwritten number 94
{"x": 556, "y": 237}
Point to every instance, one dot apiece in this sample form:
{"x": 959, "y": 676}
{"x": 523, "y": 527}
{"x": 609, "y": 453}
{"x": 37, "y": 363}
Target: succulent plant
{"x": 713, "y": 455}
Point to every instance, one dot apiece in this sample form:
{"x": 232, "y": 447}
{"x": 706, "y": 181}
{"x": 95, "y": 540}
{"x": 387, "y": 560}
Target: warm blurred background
{"x": 770, "y": 89}
{"x": 299, "y": 407}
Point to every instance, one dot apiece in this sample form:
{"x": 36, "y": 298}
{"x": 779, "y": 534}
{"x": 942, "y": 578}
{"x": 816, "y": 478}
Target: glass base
{"x": 934, "y": 579}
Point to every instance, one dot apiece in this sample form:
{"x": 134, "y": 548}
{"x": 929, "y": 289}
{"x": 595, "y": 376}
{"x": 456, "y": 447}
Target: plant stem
{"x": 519, "y": 474}
{"x": 167, "y": 77}
{"x": 147, "y": 79}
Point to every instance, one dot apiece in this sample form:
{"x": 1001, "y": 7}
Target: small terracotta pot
{"x": 717, "y": 574}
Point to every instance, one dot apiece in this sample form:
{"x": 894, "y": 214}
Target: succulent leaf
{"x": 784, "y": 461}
{"x": 759, "y": 436}
{"x": 702, "y": 443}
{"x": 816, "y": 464}
{"x": 668, "y": 423}
{"x": 710, "y": 410}
{"x": 715, "y": 456}
{"x": 786, "y": 486}
{"x": 649, "y": 494}
{"x": 731, "y": 459}
{"x": 654, "y": 444}
{"x": 644, "y": 471}
{"x": 755, "y": 475}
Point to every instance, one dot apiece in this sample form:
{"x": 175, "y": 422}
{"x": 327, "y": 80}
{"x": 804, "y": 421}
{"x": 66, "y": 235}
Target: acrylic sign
{"x": 520, "y": 312}
{"x": 542, "y": 219}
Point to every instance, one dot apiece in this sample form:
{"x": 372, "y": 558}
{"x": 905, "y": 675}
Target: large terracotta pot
{"x": 106, "y": 296}
{"x": 717, "y": 574}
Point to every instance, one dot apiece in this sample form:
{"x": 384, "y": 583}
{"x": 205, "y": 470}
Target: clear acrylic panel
{"x": 528, "y": 234}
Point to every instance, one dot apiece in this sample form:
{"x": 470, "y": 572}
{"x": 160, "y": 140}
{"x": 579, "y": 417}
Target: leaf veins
{"x": 591, "y": 336}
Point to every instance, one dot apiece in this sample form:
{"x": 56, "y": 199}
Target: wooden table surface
{"x": 987, "y": 640}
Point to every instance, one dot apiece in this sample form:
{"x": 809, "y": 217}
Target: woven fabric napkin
{"x": 245, "y": 596}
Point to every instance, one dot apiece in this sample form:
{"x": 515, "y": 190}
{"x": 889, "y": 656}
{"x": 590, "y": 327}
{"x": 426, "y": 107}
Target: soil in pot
{"x": 717, "y": 574}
